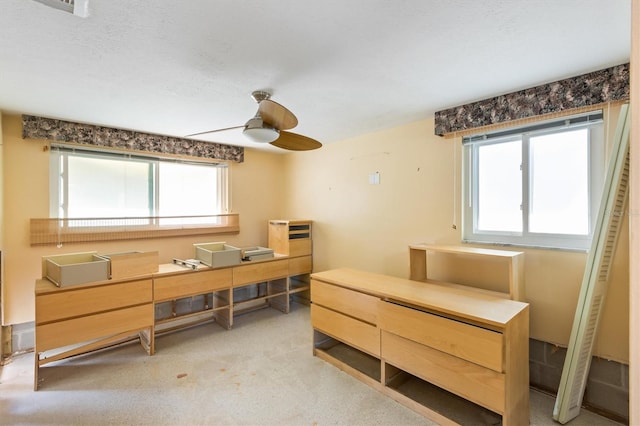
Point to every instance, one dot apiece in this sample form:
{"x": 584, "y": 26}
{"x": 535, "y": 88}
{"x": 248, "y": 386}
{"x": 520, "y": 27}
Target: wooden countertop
{"x": 457, "y": 301}
{"x": 44, "y": 286}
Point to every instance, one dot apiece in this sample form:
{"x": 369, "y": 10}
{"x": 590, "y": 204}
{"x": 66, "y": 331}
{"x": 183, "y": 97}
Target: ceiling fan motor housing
{"x": 258, "y": 131}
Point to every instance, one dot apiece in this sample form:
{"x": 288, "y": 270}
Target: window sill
{"x": 46, "y": 231}
{"x": 525, "y": 246}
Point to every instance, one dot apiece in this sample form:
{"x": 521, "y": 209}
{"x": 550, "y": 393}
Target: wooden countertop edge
{"x": 454, "y": 300}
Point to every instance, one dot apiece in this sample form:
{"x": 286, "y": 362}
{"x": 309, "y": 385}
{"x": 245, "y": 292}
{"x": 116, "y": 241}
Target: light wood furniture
{"x": 408, "y": 339}
{"x": 293, "y": 238}
{"x": 290, "y": 237}
{"x": 78, "y": 319}
{"x": 174, "y": 282}
{"x": 511, "y": 263}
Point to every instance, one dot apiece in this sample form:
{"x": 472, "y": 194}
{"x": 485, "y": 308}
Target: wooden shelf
{"x": 510, "y": 262}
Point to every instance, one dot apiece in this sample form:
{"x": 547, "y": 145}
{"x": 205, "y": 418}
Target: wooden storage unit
{"x": 293, "y": 238}
{"x": 174, "y": 283}
{"x": 511, "y": 262}
{"x": 98, "y": 314}
{"x": 290, "y": 237}
{"x": 453, "y": 342}
{"x": 82, "y": 318}
{"x": 270, "y": 281}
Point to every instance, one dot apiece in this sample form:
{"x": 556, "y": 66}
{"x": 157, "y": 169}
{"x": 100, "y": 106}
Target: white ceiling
{"x": 344, "y": 67}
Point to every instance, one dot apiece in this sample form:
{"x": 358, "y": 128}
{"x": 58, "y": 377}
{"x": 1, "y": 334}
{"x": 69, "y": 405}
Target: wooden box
{"x": 132, "y": 264}
{"x": 75, "y": 268}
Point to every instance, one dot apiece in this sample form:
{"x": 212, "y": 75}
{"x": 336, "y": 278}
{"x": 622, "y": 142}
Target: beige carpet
{"x": 261, "y": 372}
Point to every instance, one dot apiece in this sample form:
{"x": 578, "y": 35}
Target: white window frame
{"x": 58, "y": 205}
{"x": 471, "y": 234}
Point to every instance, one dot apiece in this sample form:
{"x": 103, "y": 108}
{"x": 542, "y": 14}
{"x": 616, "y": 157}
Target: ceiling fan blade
{"x": 295, "y": 142}
{"x": 276, "y": 115}
{"x": 213, "y": 131}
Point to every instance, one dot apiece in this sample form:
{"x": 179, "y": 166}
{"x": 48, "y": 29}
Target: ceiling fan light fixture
{"x": 259, "y": 132}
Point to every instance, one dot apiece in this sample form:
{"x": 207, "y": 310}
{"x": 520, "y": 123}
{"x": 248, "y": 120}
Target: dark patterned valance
{"x": 608, "y": 85}
{"x": 87, "y": 134}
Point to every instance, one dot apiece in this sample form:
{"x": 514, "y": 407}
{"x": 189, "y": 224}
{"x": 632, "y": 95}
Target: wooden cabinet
{"x": 422, "y": 343}
{"x": 290, "y": 237}
{"x": 99, "y": 314}
{"x": 79, "y": 319}
{"x": 212, "y": 288}
{"x": 293, "y": 238}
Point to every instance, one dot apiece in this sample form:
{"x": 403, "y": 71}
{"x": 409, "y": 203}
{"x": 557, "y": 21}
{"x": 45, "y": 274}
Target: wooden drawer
{"x": 358, "y": 334}
{"x": 466, "y": 341}
{"x": 300, "y": 265}
{"x": 62, "y": 333}
{"x": 471, "y": 381}
{"x": 300, "y": 247}
{"x": 349, "y": 302}
{"x": 260, "y": 271}
{"x": 73, "y": 302}
{"x": 191, "y": 283}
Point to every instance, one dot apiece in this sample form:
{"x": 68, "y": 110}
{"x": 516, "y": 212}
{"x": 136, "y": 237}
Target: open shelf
{"x": 347, "y": 355}
{"x": 186, "y": 306}
{"x": 256, "y": 296}
{"x": 437, "y": 400}
{"x": 299, "y": 283}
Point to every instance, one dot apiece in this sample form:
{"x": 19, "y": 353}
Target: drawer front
{"x": 349, "y": 302}
{"x": 82, "y": 329}
{"x": 190, "y": 284}
{"x": 468, "y": 380}
{"x": 361, "y": 335}
{"x": 299, "y": 247}
{"x": 300, "y": 265}
{"x": 87, "y": 300}
{"x": 475, "y": 344}
{"x": 260, "y": 271}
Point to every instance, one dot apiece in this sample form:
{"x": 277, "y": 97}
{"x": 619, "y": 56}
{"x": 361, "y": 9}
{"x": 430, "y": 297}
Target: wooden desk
{"x": 82, "y": 318}
{"x": 387, "y": 331}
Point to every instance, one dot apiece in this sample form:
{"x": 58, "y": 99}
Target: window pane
{"x": 105, "y": 187}
{"x": 559, "y": 194}
{"x": 188, "y": 189}
{"x": 500, "y": 187}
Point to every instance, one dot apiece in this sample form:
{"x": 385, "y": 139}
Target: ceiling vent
{"x": 77, "y": 7}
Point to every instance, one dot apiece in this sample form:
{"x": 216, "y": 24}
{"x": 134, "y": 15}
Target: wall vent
{"x": 77, "y": 7}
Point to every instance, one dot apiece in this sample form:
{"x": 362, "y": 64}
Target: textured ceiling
{"x": 344, "y": 67}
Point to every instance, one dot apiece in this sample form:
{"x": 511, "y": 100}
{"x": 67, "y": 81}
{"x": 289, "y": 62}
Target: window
{"x": 90, "y": 184}
{"x": 538, "y": 186}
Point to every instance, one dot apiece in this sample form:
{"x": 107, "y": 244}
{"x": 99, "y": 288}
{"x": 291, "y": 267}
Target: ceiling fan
{"x": 269, "y": 125}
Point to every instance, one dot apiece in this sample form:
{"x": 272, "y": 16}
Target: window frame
{"x": 593, "y": 121}
{"x": 58, "y": 202}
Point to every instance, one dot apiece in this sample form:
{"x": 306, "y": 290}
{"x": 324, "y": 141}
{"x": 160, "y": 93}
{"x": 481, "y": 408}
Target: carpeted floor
{"x": 261, "y": 372}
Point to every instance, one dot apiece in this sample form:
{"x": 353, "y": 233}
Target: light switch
{"x": 374, "y": 178}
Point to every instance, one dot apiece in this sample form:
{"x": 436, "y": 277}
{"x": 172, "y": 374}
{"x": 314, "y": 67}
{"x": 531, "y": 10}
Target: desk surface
{"x": 461, "y": 302}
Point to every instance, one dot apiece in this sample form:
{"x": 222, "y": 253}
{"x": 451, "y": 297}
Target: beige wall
{"x": 355, "y": 224}
{"x": 370, "y": 226}
{"x": 256, "y": 192}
